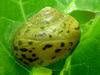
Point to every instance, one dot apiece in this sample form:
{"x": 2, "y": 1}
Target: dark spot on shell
{"x": 70, "y": 43}
{"x": 47, "y": 46}
{"x": 15, "y": 48}
{"x": 77, "y": 28}
{"x": 64, "y": 24}
{"x": 20, "y": 59}
{"x": 33, "y": 54}
{"x": 16, "y": 54}
{"x": 25, "y": 62}
{"x": 19, "y": 42}
{"x": 33, "y": 48}
{"x": 68, "y": 31}
{"x": 27, "y": 30}
{"x": 24, "y": 56}
{"x": 31, "y": 60}
{"x": 62, "y": 44}
{"x": 42, "y": 27}
{"x": 57, "y": 50}
{"x": 60, "y": 31}
{"x": 30, "y": 51}
{"x": 53, "y": 57}
{"x": 50, "y": 36}
{"x": 30, "y": 42}
{"x": 23, "y": 49}
{"x": 43, "y": 48}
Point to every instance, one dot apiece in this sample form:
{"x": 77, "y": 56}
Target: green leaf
{"x": 83, "y": 16}
{"x": 85, "y": 59}
{"x": 40, "y": 70}
{"x": 88, "y": 5}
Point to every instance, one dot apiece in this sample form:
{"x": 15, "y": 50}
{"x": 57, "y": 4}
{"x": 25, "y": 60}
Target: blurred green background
{"x": 85, "y": 60}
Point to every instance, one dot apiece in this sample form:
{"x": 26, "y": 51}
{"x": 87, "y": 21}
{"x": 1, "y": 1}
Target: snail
{"x": 46, "y": 37}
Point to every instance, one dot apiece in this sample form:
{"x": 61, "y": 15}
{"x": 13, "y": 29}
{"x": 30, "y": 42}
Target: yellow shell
{"x": 47, "y": 37}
